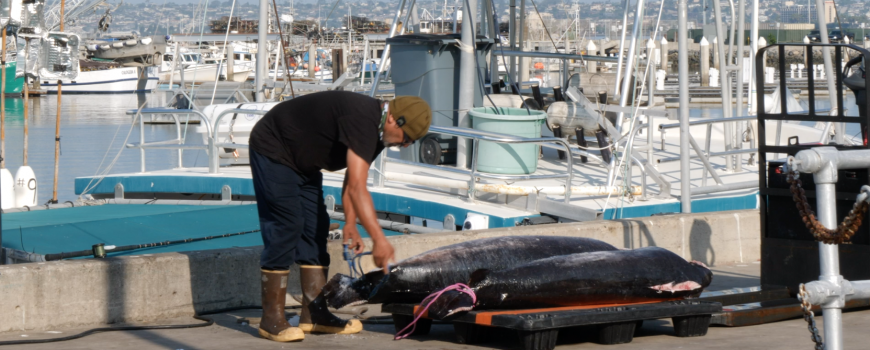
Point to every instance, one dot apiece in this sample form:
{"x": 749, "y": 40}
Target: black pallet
{"x": 539, "y": 329}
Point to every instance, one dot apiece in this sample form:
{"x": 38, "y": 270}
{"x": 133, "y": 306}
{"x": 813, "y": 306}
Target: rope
{"x": 431, "y": 299}
{"x": 627, "y": 154}
{"x": 102, "y": 175}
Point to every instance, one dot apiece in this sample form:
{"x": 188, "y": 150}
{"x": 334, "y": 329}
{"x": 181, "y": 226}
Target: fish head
{"x": 450, "y": 304}
{"x": 343, "y": 290}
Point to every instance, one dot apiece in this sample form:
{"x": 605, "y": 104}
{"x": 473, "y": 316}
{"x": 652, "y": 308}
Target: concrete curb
{"x": 148, "y": 288}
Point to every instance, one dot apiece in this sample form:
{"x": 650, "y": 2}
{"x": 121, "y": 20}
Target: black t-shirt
{"x": 313, "y": 132}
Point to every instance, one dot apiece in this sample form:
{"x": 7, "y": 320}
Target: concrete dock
{"x": 57, "y": 299}
{"x": 237, "y": 330}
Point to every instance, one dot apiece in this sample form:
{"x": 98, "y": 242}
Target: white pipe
{"x": 262, "y": 52}
{"x": 508, "y": 189}
{"x": 467, "y": 80}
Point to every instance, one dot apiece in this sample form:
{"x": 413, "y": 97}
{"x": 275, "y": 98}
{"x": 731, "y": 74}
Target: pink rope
{"x": 429, "y": 300}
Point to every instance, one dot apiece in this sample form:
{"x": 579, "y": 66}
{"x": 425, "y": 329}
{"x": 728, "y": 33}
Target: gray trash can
{"x": 427, "y": 65}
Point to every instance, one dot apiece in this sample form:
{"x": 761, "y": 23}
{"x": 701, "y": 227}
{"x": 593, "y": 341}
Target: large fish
{"x": 595, "y": 278}
{"x": 412, "y": 279}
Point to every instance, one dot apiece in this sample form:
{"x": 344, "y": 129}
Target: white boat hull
{"x": 108, "y": 81}
{"x": 203, "y": 74}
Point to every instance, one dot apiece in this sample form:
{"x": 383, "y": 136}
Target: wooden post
{"x": 337, "y": 63}
{"x": 57, "y": 123}
{"x": 3, "y": 103}
{"x": 26, "y": 102}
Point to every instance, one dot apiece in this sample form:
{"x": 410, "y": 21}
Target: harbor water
{"x": 94, "y": 129}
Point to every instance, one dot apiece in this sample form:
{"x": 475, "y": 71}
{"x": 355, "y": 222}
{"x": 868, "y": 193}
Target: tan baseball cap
{"x": 412, "y": 114}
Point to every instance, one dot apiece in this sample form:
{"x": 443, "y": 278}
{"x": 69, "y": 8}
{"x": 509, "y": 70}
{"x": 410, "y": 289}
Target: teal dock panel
{"x": 74, "y": 229}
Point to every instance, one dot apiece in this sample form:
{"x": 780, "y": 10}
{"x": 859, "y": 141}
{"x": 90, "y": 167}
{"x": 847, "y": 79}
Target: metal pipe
{"x": 705, "y": 121}
{"x": 618, "y": 80}
{"x": 741, "y": 26}
{"x": 724, "y": 79}
{"x": 753, "y": 48}
{"x": 829, "y": 262}
{"x": 623, "y": 98}
{"x": 709, "y": 155}
{"x": 726, "y": 187}
{"x": 386, "y": 53}
{"x": 732, "y": 35}
{"x": 555, "y": 55}
{"x": 467, "y": 79}
{"x": 508, "y": 189}
{"x": 493, "y": 32}
{"x": 683, "y": 66}
{"x": 512, "y": 34}
{"x": 522, "y": 41}
{"x": 262, "y": 53}
{"x": 362, "y": 71}
{"x": 829, "y": 72}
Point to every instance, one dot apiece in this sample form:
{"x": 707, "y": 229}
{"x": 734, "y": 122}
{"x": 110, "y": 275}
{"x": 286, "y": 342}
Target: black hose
{"x": 92, "y": 252}
{"x": 208, "y": 322}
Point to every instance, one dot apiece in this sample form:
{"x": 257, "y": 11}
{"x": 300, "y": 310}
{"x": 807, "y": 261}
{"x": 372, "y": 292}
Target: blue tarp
{"x": 75, "y": 229}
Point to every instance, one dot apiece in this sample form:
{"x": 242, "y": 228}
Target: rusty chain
{"x": 807, "y": 308}
{"x": 844, "y": 231}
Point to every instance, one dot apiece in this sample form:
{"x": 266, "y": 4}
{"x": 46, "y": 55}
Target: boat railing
{"x": 213, "y": 161}
{"x": 178, "y": 142}
{"x": 564, "y": 70}
{"x": 705, "y": 154}
{"x": 476, "y": 136}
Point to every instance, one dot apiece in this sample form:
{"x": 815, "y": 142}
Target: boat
{"x": 115, "y": 63}
{"x": 99, "y": 77}
{"x": 13, "y": 85}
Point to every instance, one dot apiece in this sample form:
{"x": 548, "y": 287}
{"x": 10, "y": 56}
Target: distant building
{"x": 797, "y": 13}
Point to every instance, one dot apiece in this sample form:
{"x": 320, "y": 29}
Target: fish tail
{"x": 343, "y": 290}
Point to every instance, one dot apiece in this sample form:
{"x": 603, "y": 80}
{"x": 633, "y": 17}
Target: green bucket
{"x": 507, "y": 158}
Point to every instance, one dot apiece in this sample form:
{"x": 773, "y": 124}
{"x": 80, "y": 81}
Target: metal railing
{"x": 178, "y": 142}
{"x": 705, "y": 154}
{"x": 473, "y": 174}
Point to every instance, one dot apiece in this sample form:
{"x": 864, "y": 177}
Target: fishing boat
{"x": 107, "y": 78}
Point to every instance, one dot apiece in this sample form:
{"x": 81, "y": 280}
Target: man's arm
{"x": 350, "y": 232}
{"x": 355, "y": 188}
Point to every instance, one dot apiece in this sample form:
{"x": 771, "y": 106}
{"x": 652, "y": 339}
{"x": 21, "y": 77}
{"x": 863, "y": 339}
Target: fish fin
{"x": 449, "y": 304}
{"x": 477, "y": 276}
{"x": 342, "y": 290}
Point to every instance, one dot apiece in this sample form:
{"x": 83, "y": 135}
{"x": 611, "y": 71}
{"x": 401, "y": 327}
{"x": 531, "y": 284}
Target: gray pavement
{"x": 237, "y": 330}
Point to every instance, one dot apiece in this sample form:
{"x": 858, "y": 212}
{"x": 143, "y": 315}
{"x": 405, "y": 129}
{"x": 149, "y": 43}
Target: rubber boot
{"x": 315, "y": 317}
{"x": 274, "y": 325}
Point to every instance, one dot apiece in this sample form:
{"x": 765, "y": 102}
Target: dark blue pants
{"x": 293, "y": 218}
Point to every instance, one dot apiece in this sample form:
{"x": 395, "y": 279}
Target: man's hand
{"x": 351, "y": 234}
{"x": 382, "y": 253}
